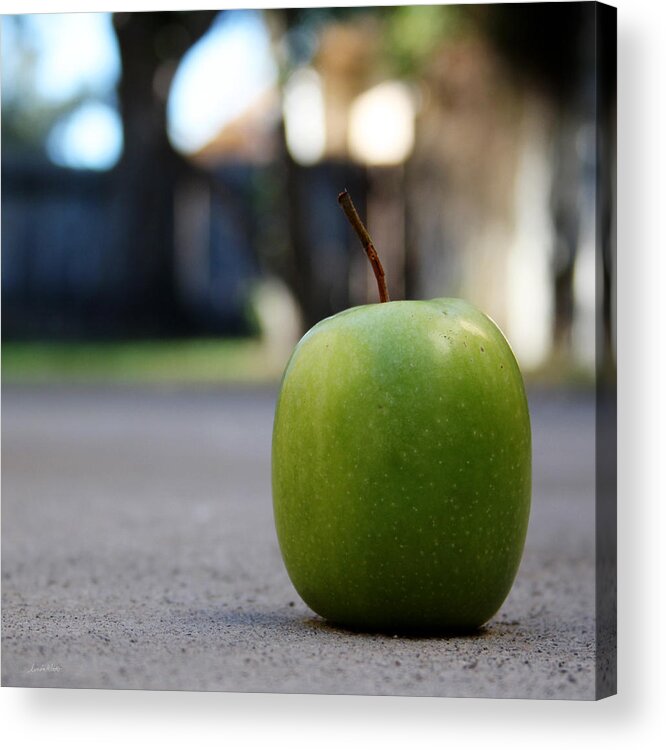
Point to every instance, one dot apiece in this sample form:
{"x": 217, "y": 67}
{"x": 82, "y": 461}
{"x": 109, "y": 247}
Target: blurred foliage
{"x": 409, "y": 34}
{"x": 412, "y": 33}
{"x": 182, "y": 361}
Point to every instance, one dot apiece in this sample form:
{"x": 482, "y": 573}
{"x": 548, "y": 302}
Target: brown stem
{"x": 350, "y": 212}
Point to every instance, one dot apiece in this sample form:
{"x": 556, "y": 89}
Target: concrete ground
{"x": 138, "y": 551}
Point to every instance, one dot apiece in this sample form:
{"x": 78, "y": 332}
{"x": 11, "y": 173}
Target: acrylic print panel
{"x": 171, "y": 228}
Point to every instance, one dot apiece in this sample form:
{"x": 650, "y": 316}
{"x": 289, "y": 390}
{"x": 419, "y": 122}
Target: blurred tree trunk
{"x": 316, "y": 265}
{"x": 151, "y": 46}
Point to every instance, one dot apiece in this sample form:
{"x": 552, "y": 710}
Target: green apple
{"x": 401, "y": 467}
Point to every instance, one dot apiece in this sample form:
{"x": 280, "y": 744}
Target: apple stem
{"x": 345, "y": 201}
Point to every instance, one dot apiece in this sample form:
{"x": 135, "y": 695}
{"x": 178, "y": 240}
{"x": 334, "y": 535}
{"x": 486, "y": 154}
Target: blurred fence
{"x": 67, "y": 270}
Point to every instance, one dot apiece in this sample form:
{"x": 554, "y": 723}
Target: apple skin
{"x": 401, "y": 467}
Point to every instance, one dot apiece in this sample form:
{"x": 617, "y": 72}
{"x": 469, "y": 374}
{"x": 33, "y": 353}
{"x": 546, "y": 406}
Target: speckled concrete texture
{"x": 138, "y": 551}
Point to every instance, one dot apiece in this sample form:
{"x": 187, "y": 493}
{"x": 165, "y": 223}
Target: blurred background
{"x": 169, "y": 183}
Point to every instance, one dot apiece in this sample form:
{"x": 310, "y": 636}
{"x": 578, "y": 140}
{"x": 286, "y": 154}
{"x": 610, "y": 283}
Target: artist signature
{"x": 44, "y": 668}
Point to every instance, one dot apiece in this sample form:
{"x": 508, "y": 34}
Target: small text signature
{"x": 44, "y": 668}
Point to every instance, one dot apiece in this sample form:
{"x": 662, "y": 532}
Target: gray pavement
{"x": 138, "y": 551}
